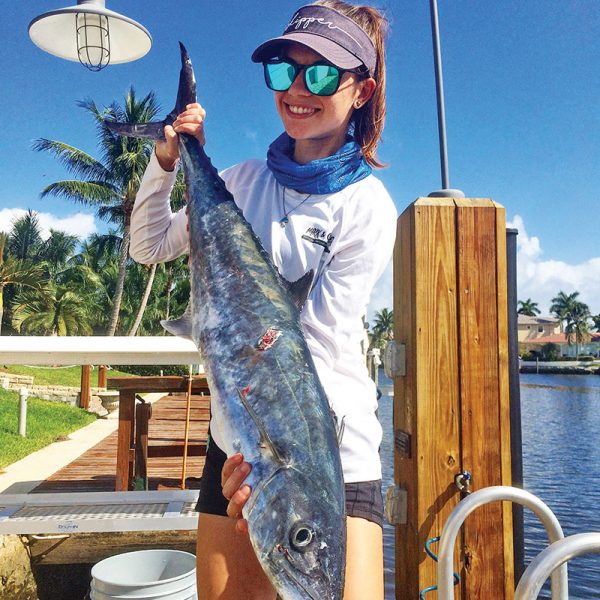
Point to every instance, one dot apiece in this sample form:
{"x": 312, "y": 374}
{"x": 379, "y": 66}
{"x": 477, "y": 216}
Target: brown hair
{"x": 369, "y": 119}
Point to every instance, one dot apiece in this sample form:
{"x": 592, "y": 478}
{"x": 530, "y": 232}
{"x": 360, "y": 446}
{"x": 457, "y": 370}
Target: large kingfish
{"x": 266, "y": 395}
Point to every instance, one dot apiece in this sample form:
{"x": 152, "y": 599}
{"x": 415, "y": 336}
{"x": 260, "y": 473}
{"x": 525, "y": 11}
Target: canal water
{"x": 561, "y": 465}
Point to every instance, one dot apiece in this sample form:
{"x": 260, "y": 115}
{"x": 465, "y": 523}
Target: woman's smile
{"x": 298, "y": 110}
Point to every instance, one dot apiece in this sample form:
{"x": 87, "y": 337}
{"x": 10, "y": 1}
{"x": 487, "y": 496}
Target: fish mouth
{"x": 310, "y": 594}
{"x": 324, "y": 591}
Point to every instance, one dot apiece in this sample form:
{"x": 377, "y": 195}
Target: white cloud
{"x": 80, "y": 224}
{"x": 541, "y": 280}
{"x": 537, "y": 278}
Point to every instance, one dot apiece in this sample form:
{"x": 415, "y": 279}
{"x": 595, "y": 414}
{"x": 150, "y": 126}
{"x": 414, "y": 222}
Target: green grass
{"x": 68, "y": 376}
{"x": 46, "y": 421}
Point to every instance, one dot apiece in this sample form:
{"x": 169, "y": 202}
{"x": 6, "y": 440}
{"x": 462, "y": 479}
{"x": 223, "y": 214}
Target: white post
{"x": 23, "y": 412}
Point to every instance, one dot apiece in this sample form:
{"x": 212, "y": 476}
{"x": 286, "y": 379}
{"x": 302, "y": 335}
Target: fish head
{"x": 298, "y": 530}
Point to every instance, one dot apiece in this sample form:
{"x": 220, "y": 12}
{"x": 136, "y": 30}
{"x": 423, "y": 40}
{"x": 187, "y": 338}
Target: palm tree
{"x": 25, "y": 237}
{"x": 528, "y": 308}
{"x": 562, "y": 305}
{"x": 109, "y": 185}
{"x": 57, "y": 250}
{"x": 384, "y": 327}
{"x": 59, "y": 311}
{"x": 577, "y": 327}
{"x": 18, "y": 273}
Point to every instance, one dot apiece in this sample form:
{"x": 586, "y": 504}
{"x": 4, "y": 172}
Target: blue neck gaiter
{"x": 321, "y": 176}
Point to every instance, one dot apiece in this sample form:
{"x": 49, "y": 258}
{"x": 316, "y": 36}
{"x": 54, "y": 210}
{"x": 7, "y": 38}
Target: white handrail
{"x": 554, "y": 556}
{"x": 97, "y": 350}
{"x": 560, "y": 589}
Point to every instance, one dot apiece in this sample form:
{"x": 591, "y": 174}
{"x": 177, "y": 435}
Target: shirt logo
{"x": 320, "y": 237}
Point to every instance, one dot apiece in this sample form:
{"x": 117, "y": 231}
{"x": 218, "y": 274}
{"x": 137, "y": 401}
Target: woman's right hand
{"x": 190, "y": 121}
{"x": 234, "y": 472}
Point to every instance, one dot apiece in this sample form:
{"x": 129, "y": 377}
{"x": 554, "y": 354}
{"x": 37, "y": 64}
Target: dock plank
{"x": 95, "y": 470}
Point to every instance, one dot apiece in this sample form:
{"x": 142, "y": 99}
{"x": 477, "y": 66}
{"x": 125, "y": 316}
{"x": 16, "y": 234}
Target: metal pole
{"x": 439, "y": 88}
{"x": 23, "y": 412}
{"x": 516, "y": 438}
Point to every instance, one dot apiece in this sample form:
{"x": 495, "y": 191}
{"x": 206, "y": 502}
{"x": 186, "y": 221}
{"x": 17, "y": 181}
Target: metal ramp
{"x": 96, "y": 512}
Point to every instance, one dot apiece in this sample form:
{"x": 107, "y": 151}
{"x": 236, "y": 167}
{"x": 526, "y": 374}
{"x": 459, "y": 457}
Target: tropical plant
{"x": 57, "y": 250}
{"x": 577, "y": 327}
{"x": 18, "y": 273}
{"x": 383, "y": 329}
{"x": 108, "y": 185}
{"x": 25, "y": 238}
{"x": 562, "y": 305}
{"x": 550, "y": 351}
{"x": 528, "y": 307}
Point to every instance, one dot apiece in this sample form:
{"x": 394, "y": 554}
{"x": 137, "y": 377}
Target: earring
{"x": 357, "y": 104}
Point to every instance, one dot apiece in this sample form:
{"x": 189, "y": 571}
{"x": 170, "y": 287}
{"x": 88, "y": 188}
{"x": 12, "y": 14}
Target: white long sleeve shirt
{"x": 346, "y": 238}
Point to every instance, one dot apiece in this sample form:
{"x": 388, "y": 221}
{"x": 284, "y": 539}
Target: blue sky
{"x": 522, "y": 91}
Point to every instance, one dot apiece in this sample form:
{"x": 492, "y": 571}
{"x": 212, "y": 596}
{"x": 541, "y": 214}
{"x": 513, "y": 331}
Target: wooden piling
{"x": 84, "y": 394}
{"x": 102, "y": 376}
{"x": 451, "y": 409}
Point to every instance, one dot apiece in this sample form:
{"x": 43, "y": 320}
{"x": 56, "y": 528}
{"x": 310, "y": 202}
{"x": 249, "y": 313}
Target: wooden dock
{"x": 95, "y": 470}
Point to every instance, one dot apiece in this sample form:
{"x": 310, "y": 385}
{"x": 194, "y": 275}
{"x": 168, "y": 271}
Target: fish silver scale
{"x": 237, "y": 295}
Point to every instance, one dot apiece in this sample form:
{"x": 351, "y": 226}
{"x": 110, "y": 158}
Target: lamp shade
{"x": 57, "y": 32}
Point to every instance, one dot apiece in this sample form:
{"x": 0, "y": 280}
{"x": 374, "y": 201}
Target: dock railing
{"x": 157, "y": 510}
{"x": 560, "y": 589}
{"x": 97, "y": 350}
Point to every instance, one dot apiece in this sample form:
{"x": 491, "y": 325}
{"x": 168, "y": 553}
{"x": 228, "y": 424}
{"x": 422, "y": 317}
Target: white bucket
{"x": 145, "y": 575}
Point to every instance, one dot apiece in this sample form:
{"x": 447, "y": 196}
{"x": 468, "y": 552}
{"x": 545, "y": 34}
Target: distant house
{"x": 591, "y": 347}
{"x": 532, "y": 328}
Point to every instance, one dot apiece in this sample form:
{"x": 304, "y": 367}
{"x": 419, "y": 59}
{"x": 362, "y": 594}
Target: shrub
{"x": 550, "y": 351}
{"x": 149, "y": 370}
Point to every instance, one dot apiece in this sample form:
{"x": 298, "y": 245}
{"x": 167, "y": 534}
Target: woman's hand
{"x": 191, "y": 121}
{"x": 233, "y": 474}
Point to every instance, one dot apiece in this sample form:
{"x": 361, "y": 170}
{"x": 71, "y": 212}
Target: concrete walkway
{"x": 26, "y": 474}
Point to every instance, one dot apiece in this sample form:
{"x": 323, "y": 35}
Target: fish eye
{"x": 301, "y": 536}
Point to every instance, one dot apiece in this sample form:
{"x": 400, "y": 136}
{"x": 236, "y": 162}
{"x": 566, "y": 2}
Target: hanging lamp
{"x": 91, "y": 34}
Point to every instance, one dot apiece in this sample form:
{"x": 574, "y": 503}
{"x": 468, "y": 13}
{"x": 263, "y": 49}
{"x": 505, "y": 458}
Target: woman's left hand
{"x": 234, "y": 472}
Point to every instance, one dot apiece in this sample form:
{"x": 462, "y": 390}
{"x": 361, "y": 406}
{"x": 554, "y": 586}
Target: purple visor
{"x": 337, "y": 38}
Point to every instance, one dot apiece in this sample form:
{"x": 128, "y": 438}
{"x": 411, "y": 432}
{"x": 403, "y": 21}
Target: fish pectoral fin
{"x": 181, "y": 327}
{"x": 265, "y": 438}
{"x": 340, "y": 431}
{"x": 300, "y": 288}
{"x": 153, "y": 131}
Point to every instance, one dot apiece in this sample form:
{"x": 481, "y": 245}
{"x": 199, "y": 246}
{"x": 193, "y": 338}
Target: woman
{"x": 315, "y": 205}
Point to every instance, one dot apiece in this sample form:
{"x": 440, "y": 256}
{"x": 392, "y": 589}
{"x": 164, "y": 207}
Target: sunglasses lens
{"x": 279, "y": 76}
{"x": 322, "y": 80}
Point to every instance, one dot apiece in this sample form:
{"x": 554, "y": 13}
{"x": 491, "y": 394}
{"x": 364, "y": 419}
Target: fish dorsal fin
{"x": 300, "y": 288}
{"x": 181, "y": 327}
{"x": 265, "y": 439}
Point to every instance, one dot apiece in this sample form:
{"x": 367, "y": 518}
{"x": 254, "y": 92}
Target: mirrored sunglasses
{"x": 320, "y": 78}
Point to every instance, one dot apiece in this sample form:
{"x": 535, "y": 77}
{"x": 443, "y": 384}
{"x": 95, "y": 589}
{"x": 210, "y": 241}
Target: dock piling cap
{"x": 447, "y": 193}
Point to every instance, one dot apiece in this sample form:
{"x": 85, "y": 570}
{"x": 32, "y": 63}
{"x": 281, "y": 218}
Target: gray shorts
{"x": 363, "y": 498}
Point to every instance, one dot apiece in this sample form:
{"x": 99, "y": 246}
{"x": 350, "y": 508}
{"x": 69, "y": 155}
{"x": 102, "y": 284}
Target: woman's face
{"x": 318, "y": 123}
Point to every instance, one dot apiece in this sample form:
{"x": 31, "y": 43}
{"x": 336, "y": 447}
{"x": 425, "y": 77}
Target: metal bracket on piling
{"x": 396, "y": 505}
{"x": 394, "y": 360}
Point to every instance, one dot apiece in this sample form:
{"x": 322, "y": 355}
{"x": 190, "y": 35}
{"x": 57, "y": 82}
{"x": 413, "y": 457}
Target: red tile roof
{"x": 559, "y": 338}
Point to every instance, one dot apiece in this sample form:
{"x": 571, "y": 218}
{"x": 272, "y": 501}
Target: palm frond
{"x": 76, "y": 161}
{"x": 89, "y": 193}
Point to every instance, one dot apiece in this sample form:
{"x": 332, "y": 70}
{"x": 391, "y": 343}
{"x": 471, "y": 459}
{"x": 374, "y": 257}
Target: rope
{"x": 433, "y": 588}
